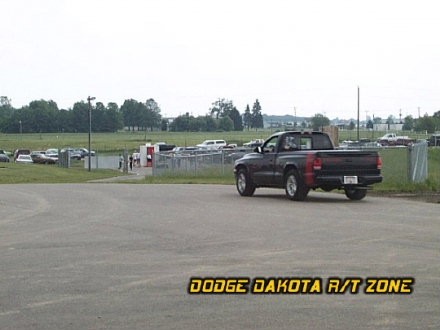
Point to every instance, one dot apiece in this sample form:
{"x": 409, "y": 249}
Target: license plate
{"x": 353, "y": 179}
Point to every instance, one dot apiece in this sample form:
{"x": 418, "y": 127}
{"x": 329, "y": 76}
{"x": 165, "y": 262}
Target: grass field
{"x": 394, "y": 171}
{"x": 394, "y": 167}
{"x": 38, "y": 173}
{"x": 115, "y": 142}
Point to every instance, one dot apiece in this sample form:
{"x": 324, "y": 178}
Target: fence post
{"x": 195, "y": 165}
{"x": 223, "y": 162}
{"x": 418, "y": 162}
{"x": 409, "y": 163}
{"x": 125, "y": 166}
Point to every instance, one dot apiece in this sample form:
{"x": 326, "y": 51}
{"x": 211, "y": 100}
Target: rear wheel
{"x": 295, "y": 188}
{"x": 245, "y": 186}
{"x": 355, "y": 194}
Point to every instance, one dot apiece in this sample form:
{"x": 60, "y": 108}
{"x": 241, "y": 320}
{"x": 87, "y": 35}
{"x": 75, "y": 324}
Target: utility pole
{"x": 358, "y": 115}
{"x": 400, "y": 116}
{"x": 89, "y": 99}
{"x": 294, "y": 122}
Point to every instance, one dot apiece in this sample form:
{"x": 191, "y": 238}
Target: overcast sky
{"x": 186, "y": 54}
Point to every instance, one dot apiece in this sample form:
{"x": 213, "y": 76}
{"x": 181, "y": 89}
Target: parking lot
{"x": 117, "y": 256}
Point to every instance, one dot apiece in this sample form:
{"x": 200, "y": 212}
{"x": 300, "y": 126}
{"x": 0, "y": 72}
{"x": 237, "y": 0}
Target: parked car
{"x": 254, "y": 143}
{"x": 24, "y": 159}
{"x": 212, "y": 144}
{"x": 165, "y": 147}
{"x": 434, "y": 140}
{"x": 40, "y": 157}
{"x": 21, "y": 152}
{"x": 52, "y": 153}
{"x": 73, "y": 153}
{"x": 4, "y": 158}
{"x": 84, "y": 152}
{"x": 229, "y": 146}
{"x": 181, "y": 150}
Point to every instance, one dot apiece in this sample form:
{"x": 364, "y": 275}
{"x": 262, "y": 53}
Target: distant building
{"x": 387, "y": 127}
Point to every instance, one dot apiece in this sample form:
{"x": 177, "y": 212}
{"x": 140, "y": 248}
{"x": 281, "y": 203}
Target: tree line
{"x": 222, "y": 115}
{"x": 43, "y": 116}
{"x": 425, "y": 123}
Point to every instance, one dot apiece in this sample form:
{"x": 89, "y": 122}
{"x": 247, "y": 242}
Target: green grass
{"x": 394, "y": 168}
{"x": 212, "y": 176}
{"x": 115, "y": 142}
{"x": 394, "y": 171}
{"x": 37, "y": 173}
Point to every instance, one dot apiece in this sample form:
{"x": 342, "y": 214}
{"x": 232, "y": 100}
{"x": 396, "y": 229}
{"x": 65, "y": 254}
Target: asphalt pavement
{"x": 120, "y": 256}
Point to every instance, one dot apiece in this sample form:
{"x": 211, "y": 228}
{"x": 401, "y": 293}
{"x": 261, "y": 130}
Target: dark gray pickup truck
{"x": 300, "y": 161}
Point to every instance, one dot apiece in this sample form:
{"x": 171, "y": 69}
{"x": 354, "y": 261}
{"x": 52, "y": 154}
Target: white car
{"x": 24, "y": 159}
{"x": 212, "y": 144}
{"x": 254, "y": 143}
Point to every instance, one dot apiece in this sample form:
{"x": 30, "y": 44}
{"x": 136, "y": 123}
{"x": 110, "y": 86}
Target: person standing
{"x": 137, "y": 159}
{"x": 121, "y": 161}
{"x": 131, "y": 162}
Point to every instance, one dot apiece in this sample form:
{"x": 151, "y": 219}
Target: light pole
{"x": 89, "y": 99}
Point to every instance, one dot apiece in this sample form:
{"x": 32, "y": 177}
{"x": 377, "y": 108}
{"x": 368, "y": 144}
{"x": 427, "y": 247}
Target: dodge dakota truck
{"x": 300, "y": 161}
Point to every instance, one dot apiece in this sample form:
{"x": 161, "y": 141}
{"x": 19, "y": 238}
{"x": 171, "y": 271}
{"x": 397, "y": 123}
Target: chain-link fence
{"x": 418, "y": 161}
{"x": 196, "y": 162}
{"x": 400, "y": 164}
{"x": 405, "y": 164}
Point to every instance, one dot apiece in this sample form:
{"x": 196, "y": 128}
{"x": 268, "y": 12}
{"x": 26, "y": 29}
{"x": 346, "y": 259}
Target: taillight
{"x": 317, "y": 164}
{"x": 379, "y": 162}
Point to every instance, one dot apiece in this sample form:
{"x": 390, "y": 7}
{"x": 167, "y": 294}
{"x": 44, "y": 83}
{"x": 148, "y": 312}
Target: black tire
{"x": 296, "y": 189}
{"x": 355, "y": 194}
{"x": 245, "y": 186}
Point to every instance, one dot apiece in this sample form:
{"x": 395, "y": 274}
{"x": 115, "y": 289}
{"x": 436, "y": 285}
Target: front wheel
{"x": 295, "y": 188}
{"x": 245, "y": 186}
{"x": 355, "y": 194}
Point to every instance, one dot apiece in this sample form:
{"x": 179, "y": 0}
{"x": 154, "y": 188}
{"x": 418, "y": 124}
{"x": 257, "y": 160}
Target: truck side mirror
{"x": 259, "y": 150}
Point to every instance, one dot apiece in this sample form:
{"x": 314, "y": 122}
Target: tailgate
{"x": 348, "y": 162}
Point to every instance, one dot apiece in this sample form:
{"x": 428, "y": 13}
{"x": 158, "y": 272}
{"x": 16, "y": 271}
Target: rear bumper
{"x": 338, "y": 181}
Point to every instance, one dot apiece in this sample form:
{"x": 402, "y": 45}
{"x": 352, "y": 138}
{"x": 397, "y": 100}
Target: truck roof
{"x": 299, "y": 132}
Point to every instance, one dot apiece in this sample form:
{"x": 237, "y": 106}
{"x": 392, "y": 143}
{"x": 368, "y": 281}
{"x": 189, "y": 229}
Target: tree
{"x": 181, "y": 123}
{"x": 152, "y": 114}
{"x": 164, "y": 125}
{"x": 425, "y": 123}
{"x": 5, "y": 112}
{"x": 247, "y": 118}
{"x": 221, "y": 108}
{"x": 211, "y": 124}
{"x": 408, "y": 123}
{"x": 226, "y": 124}
{"x": 319, "y": 121}
{"x": 5, "y": 101}
{"x": 80, "y": 117}
{"x": 377, "y": 120}
{"x": 370, "y": 124}
{"x": 390, "y": 120}
{"x": 351, "y": 126}
{"x": 114, "y": 120}
{"x": 257, "y": 117}
{"x": 236, "y": 119}
{"x": 132, "y": 113}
